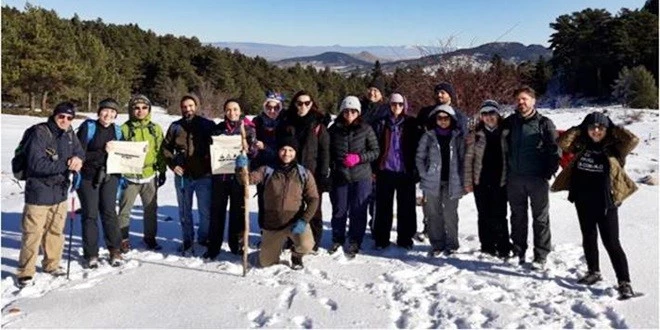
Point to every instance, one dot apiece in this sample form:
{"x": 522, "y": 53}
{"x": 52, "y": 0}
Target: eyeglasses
{"x": 594, "y": 127}
{"x": 443, "y": 118}
{"x": 275, "y": 108}
{"x": 305, "y": 103}
{"x": 400, "y": 104}
{"x": 141, "y": 108}
{"x": 69, "y": 118}
{"x": 352, "y": 111}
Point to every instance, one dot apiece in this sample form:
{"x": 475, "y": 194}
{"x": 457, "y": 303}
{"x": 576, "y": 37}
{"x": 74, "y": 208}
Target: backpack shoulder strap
{"x": 118, "y": 134}
{"x": 302, "y": 172}
{"x": 267, "y": 174}
{"x": 91, "y": 130}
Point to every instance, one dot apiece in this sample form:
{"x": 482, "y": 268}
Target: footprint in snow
{"x": 259, "y": 318}
{"x": 329, "y": 304}
{"x": 308, "y": 289}
{"x": 286, "y": 297}
{"x": 303, "y": 322}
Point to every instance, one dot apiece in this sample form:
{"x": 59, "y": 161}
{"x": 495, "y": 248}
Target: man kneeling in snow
{"x": 290, "y": 201}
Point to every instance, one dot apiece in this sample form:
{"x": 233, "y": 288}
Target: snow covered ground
{"x": 393, "y": 288}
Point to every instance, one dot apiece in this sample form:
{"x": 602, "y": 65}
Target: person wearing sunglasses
{"x": 305, "y": 122}
{"x": 485, "y": 175}
{"x": 187, "y": 154}
{"x": 52, "y": 153}
{"x": 396, "y": 172}
{"x": 98, "y": 190}
{"x": 439, "y": 160}
{"x": 140, "y": 127}
{"x": 597, "y": 184}
{"x": 353, "y": 146}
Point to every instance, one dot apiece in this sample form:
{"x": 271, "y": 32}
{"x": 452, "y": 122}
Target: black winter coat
{"x": 313, "y": 142}
{"x": 357, "y": 138}
{"x": 47, "y": 172}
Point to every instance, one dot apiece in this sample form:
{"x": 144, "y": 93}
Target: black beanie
{"x": 596, "y": 118}
{"x": 378, "y": 83}
{"x": 447, "y": 87}
{"x": 65, "y": 108}
{"x": 109, "y": 103}
{"x": 288, "y": 141}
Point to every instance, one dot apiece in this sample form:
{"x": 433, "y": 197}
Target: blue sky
{"x": 343, "y": 22}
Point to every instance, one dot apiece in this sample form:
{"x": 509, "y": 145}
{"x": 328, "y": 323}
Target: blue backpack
{"x": 91, "y": 131}
{"x": 302, "y": 173}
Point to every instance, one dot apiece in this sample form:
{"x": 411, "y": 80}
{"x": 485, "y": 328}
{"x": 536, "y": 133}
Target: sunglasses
{"x": 443, "y": 118}
{"x": 400, "y": 104}
{"x": 69, "y": 118}
{"x": 272, "y": 108}
{"x": 141, "y": 108}
{"x": 305, "y": 103}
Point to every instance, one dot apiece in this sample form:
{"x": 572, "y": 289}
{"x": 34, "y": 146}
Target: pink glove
{"x": 351, "y": 160}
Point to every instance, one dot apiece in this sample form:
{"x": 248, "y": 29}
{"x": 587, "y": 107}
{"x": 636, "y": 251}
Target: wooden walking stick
{"x": 246, "y": 196}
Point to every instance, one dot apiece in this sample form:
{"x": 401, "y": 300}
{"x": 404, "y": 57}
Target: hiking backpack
{"x": 91, "y": 130}
{"x": 19, "y": 162}
{"x": 302, "y": 173}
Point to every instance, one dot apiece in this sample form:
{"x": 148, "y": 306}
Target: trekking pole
{"x": 246, "y": 197}
{"x": 71, "y": 215}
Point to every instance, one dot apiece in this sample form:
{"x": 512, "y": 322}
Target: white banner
{"x": 224, "y": 150}
{"x": 126, "y": 157}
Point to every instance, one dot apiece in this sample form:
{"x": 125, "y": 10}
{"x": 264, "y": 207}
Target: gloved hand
{"x": 241, "y": 161}
{"x": 351, "y": 160}
{"x": 161, "y": 179}
{"x": 298, "y": 227}
{"x": 324, "y": 184}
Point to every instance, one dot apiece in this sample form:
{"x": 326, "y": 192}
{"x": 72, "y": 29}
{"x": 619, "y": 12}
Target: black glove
{"x": 324, "y": 184}
{"x": 161, "y": 179}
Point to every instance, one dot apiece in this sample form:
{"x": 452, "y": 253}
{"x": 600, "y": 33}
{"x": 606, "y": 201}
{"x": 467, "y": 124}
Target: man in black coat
{"x": 53, "y": 152}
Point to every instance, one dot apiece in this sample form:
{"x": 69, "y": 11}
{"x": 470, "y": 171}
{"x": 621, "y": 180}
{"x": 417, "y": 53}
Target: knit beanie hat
{"x": 443, "y": 108}
{"x": 288, "y": 141}
{"x": 108, "y": 103}
{"x": 489, "y": 106}
{"x": 597, "y": 118}
{"x": 447, "y": 87}
{"x": 139, "y": 98}
{"x": 351, "y": 102}
{"x": 273, "y": 97}
{"x": 378, "y": 83}
{"x": 398, "y": 98}
{"x": 66, "y": 108}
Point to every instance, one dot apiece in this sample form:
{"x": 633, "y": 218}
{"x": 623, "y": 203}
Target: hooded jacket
{"x": 145, "y": 130}
{"x": 474, "y": 155}
{"x": 617, "y": 144}
{"x": 356, "y": 138}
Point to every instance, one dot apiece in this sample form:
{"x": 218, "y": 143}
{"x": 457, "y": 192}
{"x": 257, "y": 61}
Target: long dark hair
{"x": 292, "y": 109}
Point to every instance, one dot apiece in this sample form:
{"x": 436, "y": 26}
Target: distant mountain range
{"x": 273, "y": 52}
{"x": 360, "y": 59}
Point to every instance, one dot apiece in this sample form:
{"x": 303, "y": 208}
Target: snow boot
{"x": 434, "y": 253}
{"x": 352, "y": 250}
{"x": 24, "y": 281}
{"x": 335, "y": 246}
{"x": 125, "y": 245}
{"x": 93, "y": 263}
{"x": 57, "y": 272}
{"x": 296, "y": 262}
{"x": 590, "y": 278}
{"x": 625, "y": 291}
{"x": 152, "y": 244}
{"x": 538, "y": 264}
{"x": 115, "y": 258}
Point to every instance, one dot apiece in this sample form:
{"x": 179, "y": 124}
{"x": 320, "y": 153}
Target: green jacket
{"x": 146, "y": 130}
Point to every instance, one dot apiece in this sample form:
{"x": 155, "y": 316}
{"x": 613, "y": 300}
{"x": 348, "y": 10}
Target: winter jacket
{"x": 357, "y": 138}
{"x": 266, "y": 132}
{"x": 618, "y": 143}
{"x": 226, "y": 127}
{"x": 410, "y": 135}
{"x": 313, "y": 141}
{"x": 95, "y": 154}
{"x": 286, "y": 198}
{"x": 423, "y": 118}
{"x": 146, "y": 130}
{"x": 532, "y": 147}
{"x": 429, "y": 163}
{"x": 186, "y": 144}
{"x": 474, "y": 156}
{"x": 47, "y": 172}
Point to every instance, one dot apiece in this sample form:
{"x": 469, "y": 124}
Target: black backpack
{"x": 19, "y": 162}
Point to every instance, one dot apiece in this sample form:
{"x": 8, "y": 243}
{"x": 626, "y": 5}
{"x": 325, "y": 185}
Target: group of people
{"x": 373, "y": 149}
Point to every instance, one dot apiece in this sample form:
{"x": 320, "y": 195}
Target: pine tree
{"x": 636, "y": 88}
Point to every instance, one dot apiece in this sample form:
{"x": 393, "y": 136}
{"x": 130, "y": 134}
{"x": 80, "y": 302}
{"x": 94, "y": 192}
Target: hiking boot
{"x": 93, "y": 263}
{"x": 185, "y": 247}
{"x": 335, "y": 246}
{"x": 152, "y": 244}
{"x": 434, "y": 253}
{"x": 590, "y": 278}
{"x": 538, "y": 264}
{"x": 352, "y": 250}
{"x": 125, "y": 246}
{"x": 296, "y": 262}
{"x": 59, "y": 271}
{"x": 210, "y": 253}
{"x": 24, "y": 281}
{"x": 116, "y": 259}
{"x": 625, "y": 291}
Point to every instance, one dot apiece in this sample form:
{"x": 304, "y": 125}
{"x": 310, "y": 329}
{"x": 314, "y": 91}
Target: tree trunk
{"x": 44, "y": 101}
{"x": 32, "y": 101}
{"x": 89, "y": 101}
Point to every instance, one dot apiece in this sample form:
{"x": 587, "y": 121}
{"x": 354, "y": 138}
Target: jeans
{"x": 185, "y": 187}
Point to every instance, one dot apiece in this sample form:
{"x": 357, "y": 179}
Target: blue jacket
{"x": 48, "y": 175}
